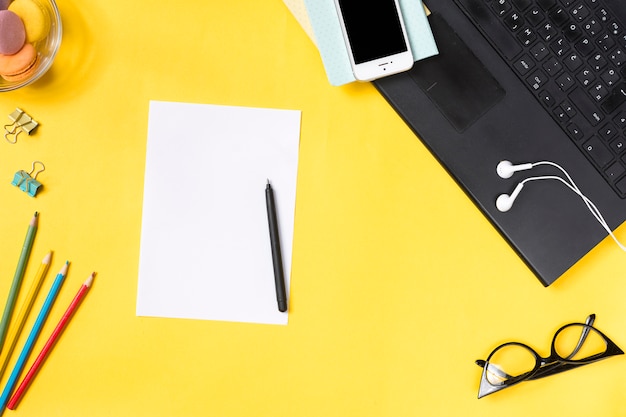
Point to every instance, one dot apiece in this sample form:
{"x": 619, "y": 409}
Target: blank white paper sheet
{"x": 205, "y": 249}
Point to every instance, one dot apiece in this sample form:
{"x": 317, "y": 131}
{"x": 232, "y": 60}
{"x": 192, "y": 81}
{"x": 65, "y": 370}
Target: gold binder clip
{"x": 22, "y": 122}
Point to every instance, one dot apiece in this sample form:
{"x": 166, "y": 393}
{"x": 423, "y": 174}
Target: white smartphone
{"x": 375, "y": 36}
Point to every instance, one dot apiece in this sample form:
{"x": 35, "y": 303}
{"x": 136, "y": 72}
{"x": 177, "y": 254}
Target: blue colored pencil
{"x": 32, "y": 337}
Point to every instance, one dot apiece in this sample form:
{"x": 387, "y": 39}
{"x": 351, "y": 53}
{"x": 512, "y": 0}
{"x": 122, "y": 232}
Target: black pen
{"x": 277, "y": 259}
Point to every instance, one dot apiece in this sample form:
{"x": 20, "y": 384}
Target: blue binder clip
{"x": 27, "y": 181}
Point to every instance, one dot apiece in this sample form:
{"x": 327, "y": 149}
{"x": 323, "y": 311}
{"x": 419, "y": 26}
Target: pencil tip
{"x": 89, "y": 280}
{"x": 46, "y": 259}
{"x": 36, "y": 214}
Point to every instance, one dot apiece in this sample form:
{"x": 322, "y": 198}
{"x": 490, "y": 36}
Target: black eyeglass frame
{"x": 550, "y": 365}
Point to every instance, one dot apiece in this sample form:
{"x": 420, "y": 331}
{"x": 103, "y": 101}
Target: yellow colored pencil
{"x": 16, "y": 328}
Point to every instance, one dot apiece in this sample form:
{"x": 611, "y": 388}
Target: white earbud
{"x": 504, "y": 202}
{"x": 506, "y": 169}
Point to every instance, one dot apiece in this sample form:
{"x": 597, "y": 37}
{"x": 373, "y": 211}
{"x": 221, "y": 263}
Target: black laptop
{"x": 527, "y": 81}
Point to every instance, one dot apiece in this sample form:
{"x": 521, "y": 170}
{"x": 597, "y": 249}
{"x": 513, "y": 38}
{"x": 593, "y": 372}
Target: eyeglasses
{"x": 573, "y": 345}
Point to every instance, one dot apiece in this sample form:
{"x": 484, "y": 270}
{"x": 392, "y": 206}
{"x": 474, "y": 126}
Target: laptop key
{"x": 614, "y": 171}
{"x": 501, "y": 7}
{"x": 598, "y": 152}
{"x": 539, "y": 51}
{"x": 592, "y": 27}
{"x": 618, "y": 57}
{"x": 547, "y": 32}
{"x": 514, "y": 21}
{"x": 574, "y": 132}
{"x": 565, "y": 81}
{"x": 618, "y": 145}
{"x": 615, "y": 99}
{"x": 621, "y": 185}
{"x": 569, "y": 109}
{"x": 573, "y": 61}
{"x": 605, "y": 42}
{"x": 524, "y": 64}
{"x": 560, "y": 47}
{"x": 546, "y": 4}
{"x": 584, "y": 104}
{"x": 522, "y": 4}
{"x": 585, "y": 46}
{"x": 615, "y": 28}
{"x": 585, "y": 77}
{"x": 620, "y": 120}
{"x": 560, "y": 17}
{"x": 547, "y": 99}
{"x": 527, "y": 36}
{"x": 607, "y": 132}
{"x": 598, "y": 62}
{"x": 610, "y": 77}
{"x": 534, "y": 16}
{"x": 598, "y": 91}
{"x": 572, "y": 32}
{"x": 537, "y": 80}
{"x": 580, "y": 12}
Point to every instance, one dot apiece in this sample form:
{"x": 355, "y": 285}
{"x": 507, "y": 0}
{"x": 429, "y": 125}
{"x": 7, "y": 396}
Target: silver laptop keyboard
{"x": 571, "y": 54}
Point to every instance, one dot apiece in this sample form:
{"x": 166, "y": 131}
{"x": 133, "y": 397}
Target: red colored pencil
{"x": 56, "y": 333}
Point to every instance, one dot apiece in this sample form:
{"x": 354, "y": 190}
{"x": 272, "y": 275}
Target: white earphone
{"x": 506, "y": 169}
{"x": 504, "y": 202}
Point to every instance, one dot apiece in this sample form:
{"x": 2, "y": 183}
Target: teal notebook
{"x": 329, "y": 39}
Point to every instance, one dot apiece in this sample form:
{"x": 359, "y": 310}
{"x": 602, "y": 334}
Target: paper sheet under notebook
{"x": 205, "y": 250}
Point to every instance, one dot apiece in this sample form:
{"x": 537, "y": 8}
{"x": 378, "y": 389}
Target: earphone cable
{"x": 573, "y": 187}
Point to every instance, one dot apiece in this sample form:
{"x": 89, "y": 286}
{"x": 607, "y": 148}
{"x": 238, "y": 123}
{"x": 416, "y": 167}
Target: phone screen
{"x": 373, "y": 29}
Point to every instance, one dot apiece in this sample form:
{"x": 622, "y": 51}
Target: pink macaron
{"x": 12, "y": 33}
{"x": 4, "y": 4}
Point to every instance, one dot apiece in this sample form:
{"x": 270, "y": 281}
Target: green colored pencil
{"x": 17, "y": 278}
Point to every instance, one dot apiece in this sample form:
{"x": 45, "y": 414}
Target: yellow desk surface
{"x": 398, "y": 282}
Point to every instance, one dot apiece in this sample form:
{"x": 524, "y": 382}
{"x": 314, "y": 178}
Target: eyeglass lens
{"x": 577, "y": 342}
{"x": 508, "y": 362}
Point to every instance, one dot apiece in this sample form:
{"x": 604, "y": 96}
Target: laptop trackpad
{"x": 455, "y": 80}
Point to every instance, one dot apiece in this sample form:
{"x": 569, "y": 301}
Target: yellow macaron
{"x": 35, "y": 18}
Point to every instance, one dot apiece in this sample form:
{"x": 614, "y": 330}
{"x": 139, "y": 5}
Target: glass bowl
{"x": 46, "y": 48}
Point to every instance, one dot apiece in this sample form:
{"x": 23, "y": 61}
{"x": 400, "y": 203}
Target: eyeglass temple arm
{"x": 555, "y": 368}
{"x": 558, "y": 367}
{"x": 583, "y": 336}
